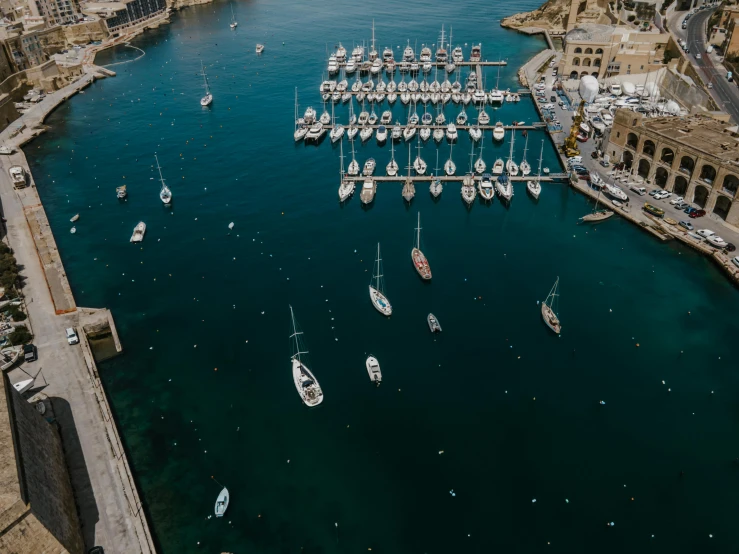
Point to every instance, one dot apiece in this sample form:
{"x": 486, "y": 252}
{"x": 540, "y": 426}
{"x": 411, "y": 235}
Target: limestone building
{"x": 695, "y": 157}
{"x": 37, "y": 508}
{"x": 608, "y": 50}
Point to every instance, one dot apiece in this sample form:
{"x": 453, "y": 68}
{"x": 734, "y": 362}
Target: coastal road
{"x": 61, "y": 374}
{"x": 725, "y": 94}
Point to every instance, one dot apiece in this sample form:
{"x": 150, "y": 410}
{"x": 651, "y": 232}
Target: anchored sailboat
{"x": 548, "y": 308}
{"x": 377, "y": 292}
{"x": 208, "y": 98}
{"x": 306, "y": 384}
{"x": 419, "y": 260}
{"x": 164, "y": 194}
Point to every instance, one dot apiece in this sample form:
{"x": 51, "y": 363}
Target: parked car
{"x": 30, "y": 353}
{"x": 677, "y": 200}
{"x": 705, "y": 233}
{"x": 697, "y": 213}
{"x": 687, "y": 225}
{"x": 72, "y": 337}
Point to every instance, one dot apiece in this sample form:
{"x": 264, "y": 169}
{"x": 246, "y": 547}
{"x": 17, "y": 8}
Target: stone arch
{"x": 649, "y": 148}
{"x": 596, "y": 62}
{"x": 588, "y": 50}
{"x": 628, "y": 159}
{"x": 573, "y": 75}
{"x": 722, "y": 207}
{"x": 586, "y": 62}
{"x": 730, "y": 184}
{"x": 599, "y": 51}
{"x": 643, "y": 168}
{"x": 687, "y": 165}
{"x": 578, "y": 50}
{"x": 660, "y": 177}
{"x": 576, "y": 61}
{"x": 667, "y": 156}
{"x": 632, "y": 140}
{"x": 708, "y": 173}
{"x": 700, "y": 196}
{"x": 681, "y": 185}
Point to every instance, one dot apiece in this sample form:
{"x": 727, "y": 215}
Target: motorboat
{"x": 486, "y": 188}
{"x": 499, "y": 131}
{"x": 381, "y": 134}
{"x": 373, "y": 369}
{"x": 504, "y": 187}
{"x": 451, "y": 132}
{"x": 434, "y": 325}
{"x": 138, "y": 232}
{"x": 369, "y": 167}
{"x": 305, "y": 382}
{"x": 369, "y": 188}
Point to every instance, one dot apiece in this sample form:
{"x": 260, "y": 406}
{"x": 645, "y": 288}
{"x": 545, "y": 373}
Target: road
{"x": 725, "y": 94}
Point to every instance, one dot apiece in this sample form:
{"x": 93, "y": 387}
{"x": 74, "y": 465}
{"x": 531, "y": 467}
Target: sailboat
{"x": 436, "y": 187}
{"x": 305, "y": 383}
{"x": 377, "y": 292}
{"x": 548, "y": 309}
{"x": 234, "y": 23}
{"x": 353, "y": 169}
{"x": 346, "y": 186}
{"x": 409, "y": 189}
{"x": 524, "y": 166}
{"x": 392, "y": 167}
{"x": 300, "y": 128}
{"x": 208, "y": 98}
{"x": 450, "y": 168}
{"x": 597, "y": 215}
{"x": 164, "y": 194}
{"x": 534, "y": 187}
{"x": 419, "y": 260}
{"x": 510, "y": 165}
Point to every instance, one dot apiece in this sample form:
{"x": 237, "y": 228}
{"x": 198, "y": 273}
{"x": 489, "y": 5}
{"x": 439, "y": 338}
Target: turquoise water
{"x": 205, "y": 388}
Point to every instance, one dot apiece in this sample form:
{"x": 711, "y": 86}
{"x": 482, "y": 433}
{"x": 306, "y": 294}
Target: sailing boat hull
{"x": 380, "y": 302}
{"x": 421, "y": 264}
{"x": 550, "y": 319}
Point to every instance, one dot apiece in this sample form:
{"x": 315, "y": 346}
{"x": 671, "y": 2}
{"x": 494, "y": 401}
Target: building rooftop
{"x": 701, "y": 133}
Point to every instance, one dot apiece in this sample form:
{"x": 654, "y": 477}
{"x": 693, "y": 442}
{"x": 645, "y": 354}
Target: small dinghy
{"x": 433, "y": 323}
{"x": 373, "y": 369}
{"x": 222, "y": 502}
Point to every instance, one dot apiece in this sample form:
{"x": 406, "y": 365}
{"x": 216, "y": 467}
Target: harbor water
{"x": 490, "y": 436}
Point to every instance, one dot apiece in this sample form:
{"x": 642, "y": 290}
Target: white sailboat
{"x": 377, "y": 288}
{"x": 346, "y": 186}
{"x": 534, "y": 187}
{"x": 234, "y": 23}
{"x": 164, "y": 193}
{"x": 436, "y": 187}
{"x": 548, "y": 309}
{"x": 305, "y": 383}
{"x": 208, "y": 98}
{"x": 524, "y": 166}
{"x": 392, "y": 167}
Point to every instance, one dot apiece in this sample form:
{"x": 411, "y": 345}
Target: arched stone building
{"x": 695, "y": 157}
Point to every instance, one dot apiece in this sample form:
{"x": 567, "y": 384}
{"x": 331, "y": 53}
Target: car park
{"x": 686, "y": 225}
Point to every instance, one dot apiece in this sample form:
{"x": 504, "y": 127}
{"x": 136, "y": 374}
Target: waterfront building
{"x": 37, "y": 507}
{"x": 125, "y": 14}
{"x": 609, "y": 50}
{"x": 695, "y": 157}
